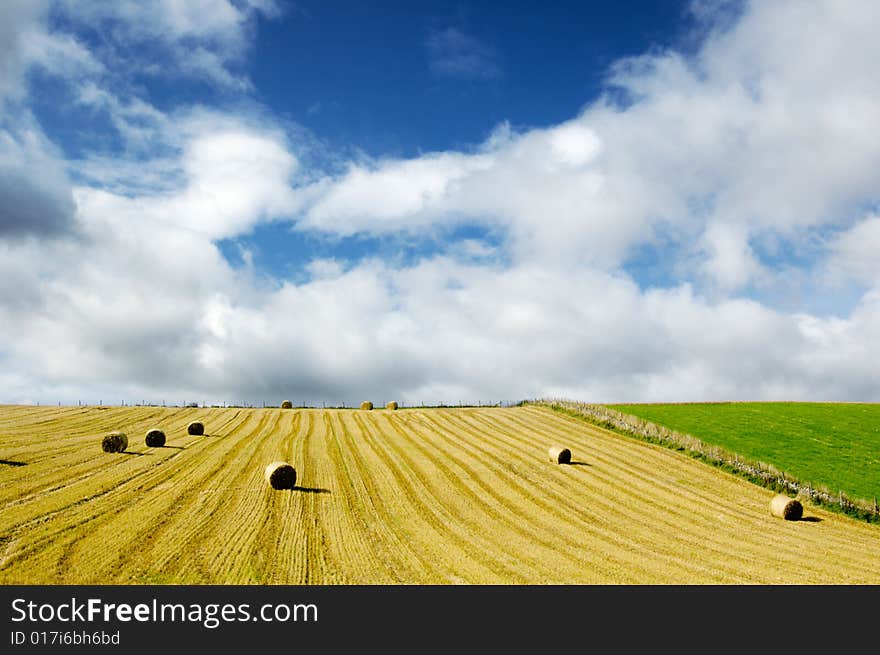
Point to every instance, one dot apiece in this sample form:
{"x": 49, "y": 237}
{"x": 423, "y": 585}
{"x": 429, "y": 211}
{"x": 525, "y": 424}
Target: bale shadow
{"x": 811, "y": 519}
{"x": 125, "y": 452}
{"x": 9, "y": 462}
{"x": 175, "y": 447}
{"x": 312, "y": 490}
{"x": 579, "y": 464}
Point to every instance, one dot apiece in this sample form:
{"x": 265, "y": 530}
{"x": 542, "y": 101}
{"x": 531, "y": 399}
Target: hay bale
{"x": 155, "y": 438}
{"x": 114, "y": 442}
{"x": 196, "y": 427}
{"x": 286, "y": 404}
{"x": 281, "y": 475}
{"x": 366, "y": 405}
{"x": 786, "y": 508}
{"x": 560, "y": 455}
{"x": 391, "y": 405}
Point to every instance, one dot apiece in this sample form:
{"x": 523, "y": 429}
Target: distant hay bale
{"x": 155, "y": 438}
{"x": 286, "y": 404}
{"x": 281, "y": 475}
{"x": 560, "y": 455}
{"x": 391, "y": 405}
{"x": 786, "y": 508}
{"x": 196, "y": 427}
{"x": 114, "y": 442}
{"x": 366, "y": 405}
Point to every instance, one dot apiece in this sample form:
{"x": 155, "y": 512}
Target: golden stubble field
{"x": 415, "y": 496}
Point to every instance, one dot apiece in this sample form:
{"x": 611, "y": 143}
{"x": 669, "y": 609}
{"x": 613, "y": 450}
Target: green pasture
{"x": 835, "y": 446}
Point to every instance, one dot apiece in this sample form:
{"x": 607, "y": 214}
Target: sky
{"x": 244, "y": 201}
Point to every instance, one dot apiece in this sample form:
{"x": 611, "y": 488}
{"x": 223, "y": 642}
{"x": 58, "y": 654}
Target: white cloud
{"x": 573, "y": 144}
{"x": 59, "y": 54}
{"x": 765, "y": 133}
{"x": 140, "y": 125}
{"x": 855, "y": 253}
{"x": 390, "y": 196}
{"x": 219, "y": 21}
{"x": 730, "y": 263}
{"x": 230, "y": 176}
{"x": 203, "y": 40}
{"x": 35, "y": 194}
{"x": 234, "y": 179}
{"x": 161, "y": 311}
{"x": 22, "y": 19}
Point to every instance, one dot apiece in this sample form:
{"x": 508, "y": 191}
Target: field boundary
{"x": 761, "y": 473}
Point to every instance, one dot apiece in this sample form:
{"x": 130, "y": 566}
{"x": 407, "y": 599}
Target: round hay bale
{"x": 196, "y": 427}
{"x": 391, "y": 405}
{"x": 786, "y": 508}
{"x": 155, "y": 438}
{"x": 366, "y": 405}
{"x": 114, "y": 442}
{"x": 286, "y": 404}
{"x": 560, "y": 455}
{"x": 281, "y": 475}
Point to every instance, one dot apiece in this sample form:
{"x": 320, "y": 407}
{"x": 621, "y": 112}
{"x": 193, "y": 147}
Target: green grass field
{"x": 833, "y": 445}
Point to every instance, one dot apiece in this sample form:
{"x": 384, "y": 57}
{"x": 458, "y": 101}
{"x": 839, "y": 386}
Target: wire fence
{"x": 295, "y": 404}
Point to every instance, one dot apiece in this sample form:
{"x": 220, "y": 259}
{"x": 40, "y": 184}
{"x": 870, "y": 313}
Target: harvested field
{"x": 416, "y": 496}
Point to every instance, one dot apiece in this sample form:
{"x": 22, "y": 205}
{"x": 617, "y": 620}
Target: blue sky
{"x": 249, "y": 200}
{"x": 398, "y": 79}
{"x": 403, "y": 78}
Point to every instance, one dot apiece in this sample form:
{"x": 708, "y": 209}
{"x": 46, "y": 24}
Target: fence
{"x": 303, "y": 404}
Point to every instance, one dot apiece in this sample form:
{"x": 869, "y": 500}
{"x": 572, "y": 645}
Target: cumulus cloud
{"x": 521, "y": 182}
{"x": 855, "y": 253}
{"x": 438, "y": 331}
{"x": 234, "y": 178}
{"x": 389, "y": 196}
{"x": 717, "y": 148}
{"x": 35, "y": 194}
{"x": 763, "y": 135}
{"x": 730, "y": 262}
{"x": 229, "y": 176}
{"x": 21, "y": 20}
